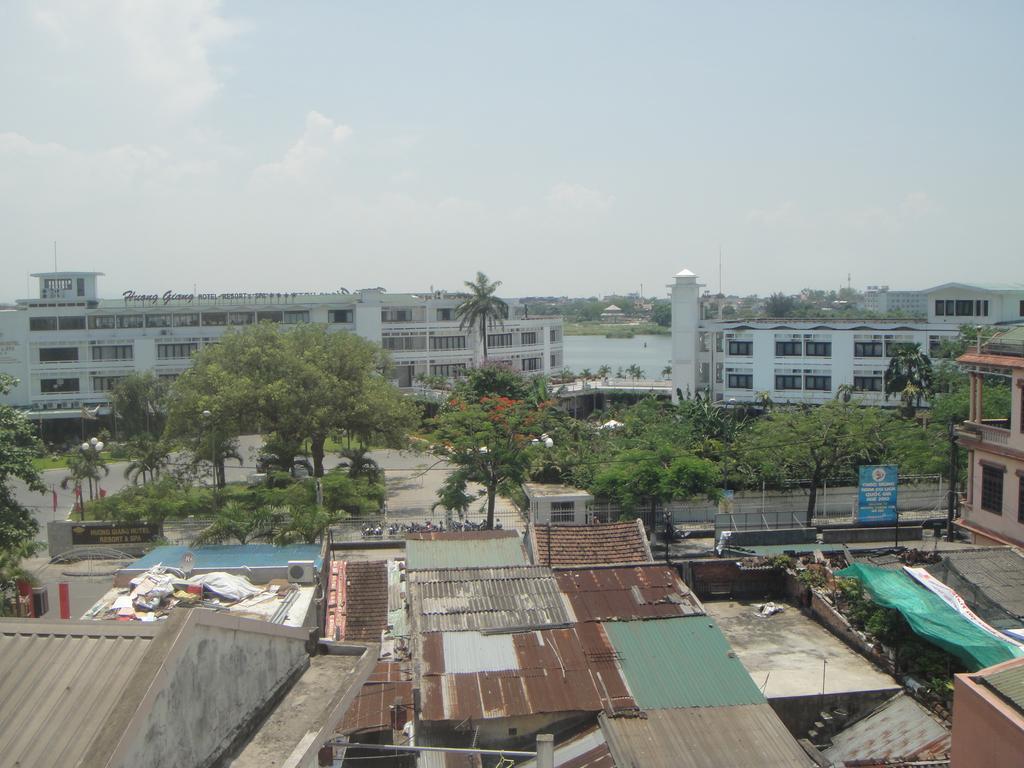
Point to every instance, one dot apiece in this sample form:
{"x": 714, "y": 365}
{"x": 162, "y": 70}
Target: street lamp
{"x": 91, "y": 450}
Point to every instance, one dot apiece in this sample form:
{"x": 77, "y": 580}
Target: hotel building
{"x": 69, "y": 348}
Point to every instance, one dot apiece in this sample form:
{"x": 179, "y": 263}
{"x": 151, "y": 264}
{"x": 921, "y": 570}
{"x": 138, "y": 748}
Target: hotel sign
{"x": 113, "y": 534}
{"x": 169, "y": 297}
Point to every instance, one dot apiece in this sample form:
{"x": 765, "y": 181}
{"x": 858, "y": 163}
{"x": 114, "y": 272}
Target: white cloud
{"x": 578, "y": 197}
{"x": 165, "y": 46}
{"x": 311, "y": 151}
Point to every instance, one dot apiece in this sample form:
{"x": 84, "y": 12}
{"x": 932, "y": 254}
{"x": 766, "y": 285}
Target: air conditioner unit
{"x": 301, "y": 572}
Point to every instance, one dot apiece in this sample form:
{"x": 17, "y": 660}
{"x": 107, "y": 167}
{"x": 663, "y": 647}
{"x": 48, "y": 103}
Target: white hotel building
{"x": 806, "y": 361}
{"x": 68, "y": 348}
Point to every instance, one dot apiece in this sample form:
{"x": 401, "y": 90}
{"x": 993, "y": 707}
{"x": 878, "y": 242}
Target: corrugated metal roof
{"x": 1008, "y": 682}
{"x": 471, "y": 652}
{"x": 486, "y": 598}
{"x": 584, "y": 750}
{"x": 59, "y": 683}
{"x": 744, "y": 736}
{"x": 899, "y": 728}
{"x": 473, "y": 549}
{"x": 568, "y": 546}
{"x": 684, "y": 662}
{"x": 619, "y": 594}
{"x": 997, "y": 572}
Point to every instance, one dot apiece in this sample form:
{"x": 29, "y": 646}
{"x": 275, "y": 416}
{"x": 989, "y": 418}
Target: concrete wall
{"x": 219, "y": 680}
{"x": 800, "y": 713}
{"x": 987, "y": 733}
{"x": 840, "y": 535}
{"x": 725, "y": 578}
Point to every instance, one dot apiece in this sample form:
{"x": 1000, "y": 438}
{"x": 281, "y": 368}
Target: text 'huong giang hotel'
{"x": 68, "y": 348}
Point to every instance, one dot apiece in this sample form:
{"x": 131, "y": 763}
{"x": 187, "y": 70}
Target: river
{"x": 651, "y": 353}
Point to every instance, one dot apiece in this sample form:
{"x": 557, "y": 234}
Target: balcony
{"x": 990, "y": 431}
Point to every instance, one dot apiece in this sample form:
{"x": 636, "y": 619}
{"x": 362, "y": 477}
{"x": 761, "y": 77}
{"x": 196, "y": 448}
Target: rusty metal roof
{"x": 556, "y": 670}
{"x": 468, "y": 549}
{"x": 646, "y": 591}
{"x": 745, "y": 736}
{"x": 568, "y": 546}
{"x": 898, "y": 729}
{"x": 486, "y": 598}
{"x": 388, "y": 685}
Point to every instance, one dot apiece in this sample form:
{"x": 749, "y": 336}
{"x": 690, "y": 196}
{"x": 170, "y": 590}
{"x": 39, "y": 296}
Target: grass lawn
{"x": 615, "y": 330}
{"x": 50, "y": 462}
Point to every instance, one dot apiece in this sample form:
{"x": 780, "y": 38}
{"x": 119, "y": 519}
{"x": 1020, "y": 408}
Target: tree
{"x": 148, "y": 457}
{"x": 359, "y": 464}
{"x": 780, "y": 305}
{"x": 662, "y": 313}
{"x": 666, "y": 372}
{"x": 18, "y": 528}
{"x": 586, "y": 374}
{"x": 306, "y": 525}
{"x": 489, "y": 442}
{"x": 909, "y": 375}
{"x": 814, "y": 444}
{"x": 235, "y": 522}
{"x": 85, "y": 465}
{"x": 482, "y": 309}
{"x": 635, "y": 372}
{"x": 140, "y": 403}
{"x": 604, "y": 372}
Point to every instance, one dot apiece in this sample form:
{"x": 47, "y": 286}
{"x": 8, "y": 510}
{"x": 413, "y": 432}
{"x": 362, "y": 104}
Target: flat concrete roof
{"x": 787, "y": 650}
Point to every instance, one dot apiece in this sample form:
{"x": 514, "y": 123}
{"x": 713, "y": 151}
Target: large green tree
{"x": 18, "y": 528}
{"x": 482, "y": 309}
{"x": 140, "y": 404}
{"x": 909, "y": 375}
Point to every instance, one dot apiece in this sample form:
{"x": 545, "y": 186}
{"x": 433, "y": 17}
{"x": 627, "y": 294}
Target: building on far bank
{"x": 69, "y": 348}
{"x": 878, "y": 298}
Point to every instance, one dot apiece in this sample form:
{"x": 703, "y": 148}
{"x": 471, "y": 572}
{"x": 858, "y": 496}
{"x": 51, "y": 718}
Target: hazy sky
{"x": 564, "y": 148}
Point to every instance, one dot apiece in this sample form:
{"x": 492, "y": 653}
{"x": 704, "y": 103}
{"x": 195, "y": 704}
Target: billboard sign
{"x": 113, "y": 534}
{"x": 876, "y": 494}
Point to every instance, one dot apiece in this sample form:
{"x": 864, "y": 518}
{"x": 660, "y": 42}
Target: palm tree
{"x": 635, "y": 372}
{"x": 909, "y": 375}
{"x": 845, "y": 392}
{"x": 149, "y": 456}
{"x": 235, "y": 522}
{"x": 305, "y": 524}
{"x": 586, "y": 374}
{"x": 360, "y": 464}
{"x": 482, "y": 309}
{"x": 666, "y": 372}
{"x": 604, "y": 372}
{"x": 88, "y": 466}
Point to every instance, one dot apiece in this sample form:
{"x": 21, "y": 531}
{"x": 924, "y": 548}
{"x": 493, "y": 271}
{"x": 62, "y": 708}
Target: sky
{"x": 569, "y": 148}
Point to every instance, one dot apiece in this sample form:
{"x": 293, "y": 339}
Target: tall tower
{"x": 685, "y": 319}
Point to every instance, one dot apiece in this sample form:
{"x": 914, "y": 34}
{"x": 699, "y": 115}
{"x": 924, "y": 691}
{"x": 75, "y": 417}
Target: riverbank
{"x": 615, "y": 330}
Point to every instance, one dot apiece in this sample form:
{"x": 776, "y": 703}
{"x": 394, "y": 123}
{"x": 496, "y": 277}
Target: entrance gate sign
{"x": 876, "y": 494}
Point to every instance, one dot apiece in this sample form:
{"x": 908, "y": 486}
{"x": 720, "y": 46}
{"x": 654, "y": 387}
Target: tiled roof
{"x": 647, "y": 591}
{"x": 554, "y": 670}
{"x": 681, "y": 663}
{"x": 562, "y": 546}
{"x": 486, "y": 598}
{"x": 744, "y": 736}
{"x": 470, "y": 549}
{"x": 899, "y": 728}
{"x": 357, "y": 601}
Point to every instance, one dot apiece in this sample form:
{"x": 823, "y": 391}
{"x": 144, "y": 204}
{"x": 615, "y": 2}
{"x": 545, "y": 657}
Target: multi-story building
{"x": 807, "y": 360}
{"x": 69, "y": 348}
{"x": 993, "y": 508}
{"x": 878, "y": 298}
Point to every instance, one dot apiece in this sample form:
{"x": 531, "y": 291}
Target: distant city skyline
{"x": 575, "y": 149}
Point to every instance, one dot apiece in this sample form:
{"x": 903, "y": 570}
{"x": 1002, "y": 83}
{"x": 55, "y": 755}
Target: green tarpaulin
{"x": 931, "y": 618}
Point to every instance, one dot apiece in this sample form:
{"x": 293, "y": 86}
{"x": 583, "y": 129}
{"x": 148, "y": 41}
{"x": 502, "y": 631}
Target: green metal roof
{"x": 1008, "y": 683}
{"x": 465, "y": 553}
{"x": 684, "y": 662}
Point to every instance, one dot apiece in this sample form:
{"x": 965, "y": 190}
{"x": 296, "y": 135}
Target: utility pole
{"x": 954, "y": 472}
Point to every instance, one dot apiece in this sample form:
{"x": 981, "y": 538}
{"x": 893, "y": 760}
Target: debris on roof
{"x": 647, "y": 591}
{"x": 898, "y": 729}
{"x": 464, "y": 549}
{"x": 516, "y": 597}
{"x": 684, "y": 662}
{"x": 569, "y": 546}
{"x": 743, "y": 736}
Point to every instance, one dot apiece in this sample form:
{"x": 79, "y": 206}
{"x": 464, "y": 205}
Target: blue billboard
{"x": 876, "y": 494}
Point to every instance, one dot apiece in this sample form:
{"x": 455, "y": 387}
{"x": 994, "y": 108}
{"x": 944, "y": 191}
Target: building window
{"x": 404, "y": 343}
{"x": 741, "y": 348}
{"x": 158, "y": 321}
{"x": 940, "y": 308}
{"x": 819, "y": 349}
{"x": 131, "y": 321}
{"x": 339, "y": 315}
{"x": 867, "y": 383}
{"x": 102, "y": 322}
{"x": 818, "y": 383}
{"x": 788, "y": 348}
{"x": 42, "y": 323}
{"x": 58, "y": 386}
{"x": 528, "y": 337}
{"x": 58, "y": 355}
{"x": 444, "y": 315}
{"x": 981, "y": 307}
{"x": 556, "y": 333}
{"x": 448, "y": 342}
{"x": 992, "y": 488}
{"x": 555, "y": 362}
{"x": 532, "y": 363}
{"x": 81, "y": 286}
{"x": 741, "y": 381}
{"x": 788, "y": 382}
{"x": 215, "y": 318}
{"x": 964, "y": 308}
{"x": 54, "y": 285}
{"x": 1020, "y": 499}
{"x": 186, "y": 320}
{"x": 240, "y": 318}
{"x": 499, "y": 340}
{"x": 295, "y": 316}
{"x": 269, "y": 316}
{"x": 396, "y": 315}
{"x": 867, "y": 349}
{"x": 448, "y": 370}
{"x": 563, "y": 511}
{"x": 176, "y": 351}
{"x": 72, "y": 323}
{"x": 106, "y": 383}
{"x": 113, "y": 352}
{"x": 1021, "y": 309}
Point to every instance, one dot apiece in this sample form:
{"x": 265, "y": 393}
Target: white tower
{"x": 685, "y": 319}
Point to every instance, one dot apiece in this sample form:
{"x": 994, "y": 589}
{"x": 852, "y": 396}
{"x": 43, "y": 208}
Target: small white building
{"x": 552, "y": 504}
{"x": 613, "y": 314}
